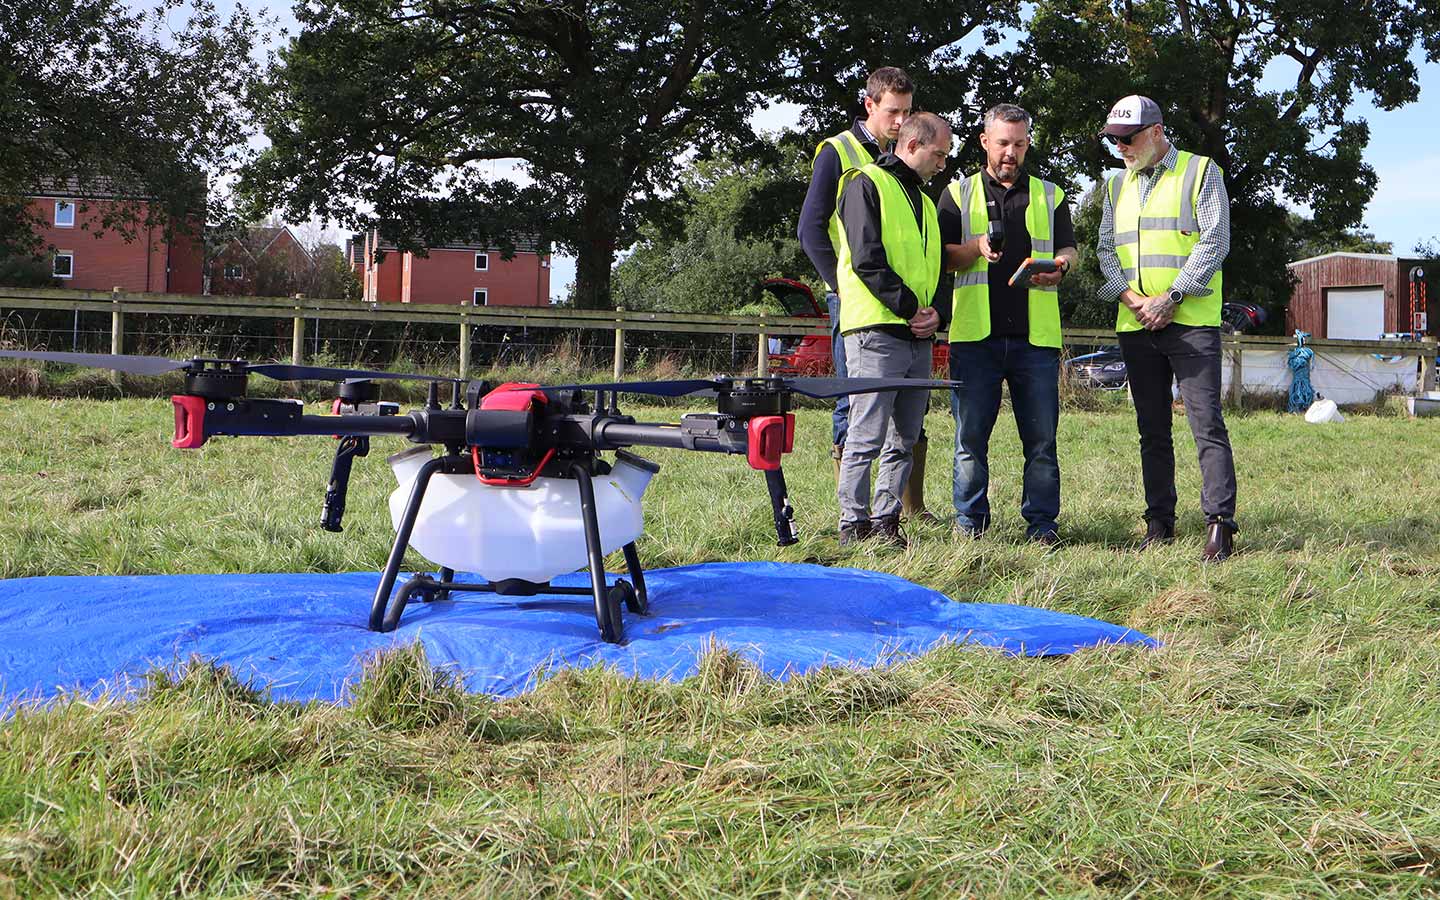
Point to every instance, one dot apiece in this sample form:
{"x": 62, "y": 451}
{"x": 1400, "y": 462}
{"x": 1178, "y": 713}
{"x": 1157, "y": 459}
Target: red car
{"x": 810, "y": 354}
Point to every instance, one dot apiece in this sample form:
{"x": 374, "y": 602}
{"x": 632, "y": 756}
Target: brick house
{"x": 257, "y": 262}
{"x": 468, "y": 274}
{"x": 86, "y": 257}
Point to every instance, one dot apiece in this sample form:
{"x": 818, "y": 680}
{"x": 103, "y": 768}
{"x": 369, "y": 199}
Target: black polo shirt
{"x": 1009, "y": 306}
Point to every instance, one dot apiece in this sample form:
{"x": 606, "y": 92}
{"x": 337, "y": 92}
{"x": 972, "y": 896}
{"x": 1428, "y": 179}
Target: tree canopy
{"x": 100, "y": 100}
{"x": 394, "y": 108}
{"x": 1264, "y": 87}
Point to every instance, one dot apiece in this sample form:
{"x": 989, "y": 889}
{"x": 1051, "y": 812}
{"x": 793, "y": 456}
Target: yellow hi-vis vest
{"x": 970, "y": 310}
{"x": 852, "y": 155}
{"x": 912, "y": 249}
{"x": 1154, "y": 242}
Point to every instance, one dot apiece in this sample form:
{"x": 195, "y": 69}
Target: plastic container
{"x": 1323, "y": 410}
{"x": 533, "y": 532}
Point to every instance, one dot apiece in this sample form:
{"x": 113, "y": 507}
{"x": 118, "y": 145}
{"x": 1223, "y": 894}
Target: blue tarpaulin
{"x": 304, "y": 636}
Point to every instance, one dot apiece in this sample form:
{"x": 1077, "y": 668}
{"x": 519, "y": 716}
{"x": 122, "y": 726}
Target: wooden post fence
{"x": 762, "y": 355}
{"x": 464, "y": 346}
{"x": 1427, "y": 364}
{"x": 297, "y": 333}
{"x": 619, "y": 368}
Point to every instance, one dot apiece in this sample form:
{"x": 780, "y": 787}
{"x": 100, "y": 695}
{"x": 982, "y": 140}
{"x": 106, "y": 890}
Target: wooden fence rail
{"x": 299, "y": 308}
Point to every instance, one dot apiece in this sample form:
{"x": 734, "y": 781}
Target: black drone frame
{"x": 514, "y": 433}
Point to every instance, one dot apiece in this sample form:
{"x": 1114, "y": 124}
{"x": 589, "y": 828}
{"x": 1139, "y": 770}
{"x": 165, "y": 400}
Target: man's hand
{"x": 924, "y": 322}
{"x": 1051, "y": 279}
{"x": 982, "y": 243}
{"x": 1159, "y": 312}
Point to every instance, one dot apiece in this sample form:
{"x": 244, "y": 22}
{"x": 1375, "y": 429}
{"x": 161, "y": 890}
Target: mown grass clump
{"x": 1281, "y": 743}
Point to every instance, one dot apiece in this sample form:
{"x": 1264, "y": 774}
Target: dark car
{"x": 1104, "y": 369}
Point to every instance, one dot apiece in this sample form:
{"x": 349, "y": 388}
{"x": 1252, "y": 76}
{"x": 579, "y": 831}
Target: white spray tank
{"x": 534, "y": 532}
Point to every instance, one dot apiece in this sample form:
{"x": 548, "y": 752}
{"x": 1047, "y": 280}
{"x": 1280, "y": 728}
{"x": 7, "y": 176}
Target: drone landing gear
{"x": 385, "y": 613}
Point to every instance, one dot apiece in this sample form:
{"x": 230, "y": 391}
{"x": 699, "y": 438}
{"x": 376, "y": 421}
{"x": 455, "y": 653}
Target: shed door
{"x": 1356, "y": 314}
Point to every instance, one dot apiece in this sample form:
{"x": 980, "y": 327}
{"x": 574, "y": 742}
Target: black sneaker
{"x": 887, "y": 531}
{"x": 852, "y": 533}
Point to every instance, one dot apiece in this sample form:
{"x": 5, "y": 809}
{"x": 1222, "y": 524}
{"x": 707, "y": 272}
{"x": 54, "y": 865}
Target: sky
{"x": 1404, "y": 150}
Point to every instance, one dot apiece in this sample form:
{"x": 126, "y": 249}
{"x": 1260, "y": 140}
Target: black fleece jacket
{"x": 814, "y": 230}
{"x": 860, "y": 217}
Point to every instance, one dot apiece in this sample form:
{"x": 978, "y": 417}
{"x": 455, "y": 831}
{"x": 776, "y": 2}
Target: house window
{"x": 482, "y": 262}
{"x": 481, "y": 297}
{"x": 64, "y": 214}
{"x": 64, "y": 265}
{"x": 234, "y": 273}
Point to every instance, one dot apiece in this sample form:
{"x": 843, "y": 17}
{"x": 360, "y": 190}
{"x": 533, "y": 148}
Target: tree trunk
{"x": 599, "y": 228}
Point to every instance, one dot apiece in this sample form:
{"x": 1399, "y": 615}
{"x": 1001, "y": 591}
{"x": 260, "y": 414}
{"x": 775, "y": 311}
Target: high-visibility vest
{"x": 970, "y": 309}
{"x": 1154, "y": 242}
{"x": 852, "y": 155}
{"x": 912, "y": 249}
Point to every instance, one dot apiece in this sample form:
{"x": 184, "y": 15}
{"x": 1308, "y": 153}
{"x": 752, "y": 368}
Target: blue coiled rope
{"x": 1301, "y": 393}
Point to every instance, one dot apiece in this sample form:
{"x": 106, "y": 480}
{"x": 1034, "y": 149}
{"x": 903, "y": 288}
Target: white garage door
{"x": 1356, "y": 314}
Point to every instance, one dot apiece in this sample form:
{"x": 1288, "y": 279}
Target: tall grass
{"x": 1282, "y": 743}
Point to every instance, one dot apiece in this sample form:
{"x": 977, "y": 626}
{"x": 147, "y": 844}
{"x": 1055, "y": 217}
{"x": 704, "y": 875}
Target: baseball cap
{"x": 1131, "y": 114}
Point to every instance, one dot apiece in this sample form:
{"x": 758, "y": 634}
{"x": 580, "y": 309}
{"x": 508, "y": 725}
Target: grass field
{"x": 1285, "y": 741}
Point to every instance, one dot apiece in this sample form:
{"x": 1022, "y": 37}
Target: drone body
{"x": 520, "y": 492}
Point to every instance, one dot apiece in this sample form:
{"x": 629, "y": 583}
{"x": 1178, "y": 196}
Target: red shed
{"x": 1360, "y": 296}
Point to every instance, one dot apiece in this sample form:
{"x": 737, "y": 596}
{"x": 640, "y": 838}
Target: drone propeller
{"x": 158, "y": 365}
{"x": 819, "y": 388}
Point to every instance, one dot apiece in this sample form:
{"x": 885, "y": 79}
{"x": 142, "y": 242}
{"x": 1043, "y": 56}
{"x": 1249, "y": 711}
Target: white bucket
{"x": 1323, "y": 410}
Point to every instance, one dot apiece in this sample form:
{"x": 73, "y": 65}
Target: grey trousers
{"x": 883, "y": 425}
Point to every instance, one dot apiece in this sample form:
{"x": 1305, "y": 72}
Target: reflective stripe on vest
{"x": 970, "y": 308}
{"x": 912, "y": 251}
{"x": 1155, "y": 241}
{"x": 852, "y": 155}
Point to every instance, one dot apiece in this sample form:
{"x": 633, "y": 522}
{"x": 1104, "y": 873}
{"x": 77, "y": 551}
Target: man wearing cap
{"x": 888, "y": 273}
{"x": 888, "y": 96}
{"x": 1164, "y": 233}
{"x": 1003, "y": 332}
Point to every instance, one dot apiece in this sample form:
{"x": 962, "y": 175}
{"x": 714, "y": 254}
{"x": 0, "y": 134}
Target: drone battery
{"x": 499, "y": 428}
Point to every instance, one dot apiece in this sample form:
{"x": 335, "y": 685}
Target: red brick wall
{"x": 106, "y": 260}
{"x": 449, "y": 276}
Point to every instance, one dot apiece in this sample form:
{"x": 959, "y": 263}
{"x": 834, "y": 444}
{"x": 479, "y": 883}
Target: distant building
{"x": 459, "y": 274}
{"x": 1360, "y": 296}
{"x": 266, "y": 260}
{"x": 87, "y": 257}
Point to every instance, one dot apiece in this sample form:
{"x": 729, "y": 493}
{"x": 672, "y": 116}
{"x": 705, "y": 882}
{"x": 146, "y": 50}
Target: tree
{"x": 397, "y": 107}
{"x": 730, "y": 236}
{"x": 1210, "y": 64}
{"x": 103, "y": 100}
{"x": 1308, "y": 238}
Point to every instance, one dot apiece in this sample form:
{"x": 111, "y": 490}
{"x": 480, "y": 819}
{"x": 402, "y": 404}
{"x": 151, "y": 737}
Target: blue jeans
{"x": 1033, "y": 374}
{"x": 840, "y": 421}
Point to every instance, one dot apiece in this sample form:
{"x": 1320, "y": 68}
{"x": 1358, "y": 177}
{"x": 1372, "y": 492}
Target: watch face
{"x": 1176, "y": 296}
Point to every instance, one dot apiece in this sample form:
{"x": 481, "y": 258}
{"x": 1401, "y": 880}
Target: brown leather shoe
{"x": 886, "y": 530}
{"x": 1219, "y": 542}
{"x": 1157, "y": 531}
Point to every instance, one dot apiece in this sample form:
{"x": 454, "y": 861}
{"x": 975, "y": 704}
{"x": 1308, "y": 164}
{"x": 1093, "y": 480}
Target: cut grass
{"x": 1283, "y": 742}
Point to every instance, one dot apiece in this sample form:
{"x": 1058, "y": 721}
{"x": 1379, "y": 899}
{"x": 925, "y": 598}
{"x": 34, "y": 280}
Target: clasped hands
{"x": 1154, "y": 313}
{"x": 925, "y": 322}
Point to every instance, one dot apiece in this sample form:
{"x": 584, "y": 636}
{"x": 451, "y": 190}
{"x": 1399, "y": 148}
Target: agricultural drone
{"x": 519, "y": 493}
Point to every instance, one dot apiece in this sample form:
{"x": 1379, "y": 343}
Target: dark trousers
{"x": 1033, "y": 374}
{"x": 840, "y": 420}
{"x": 1190, "y": 356}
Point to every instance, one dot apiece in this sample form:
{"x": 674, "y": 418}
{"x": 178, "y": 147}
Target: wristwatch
{"x": 1176, "y": 297}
